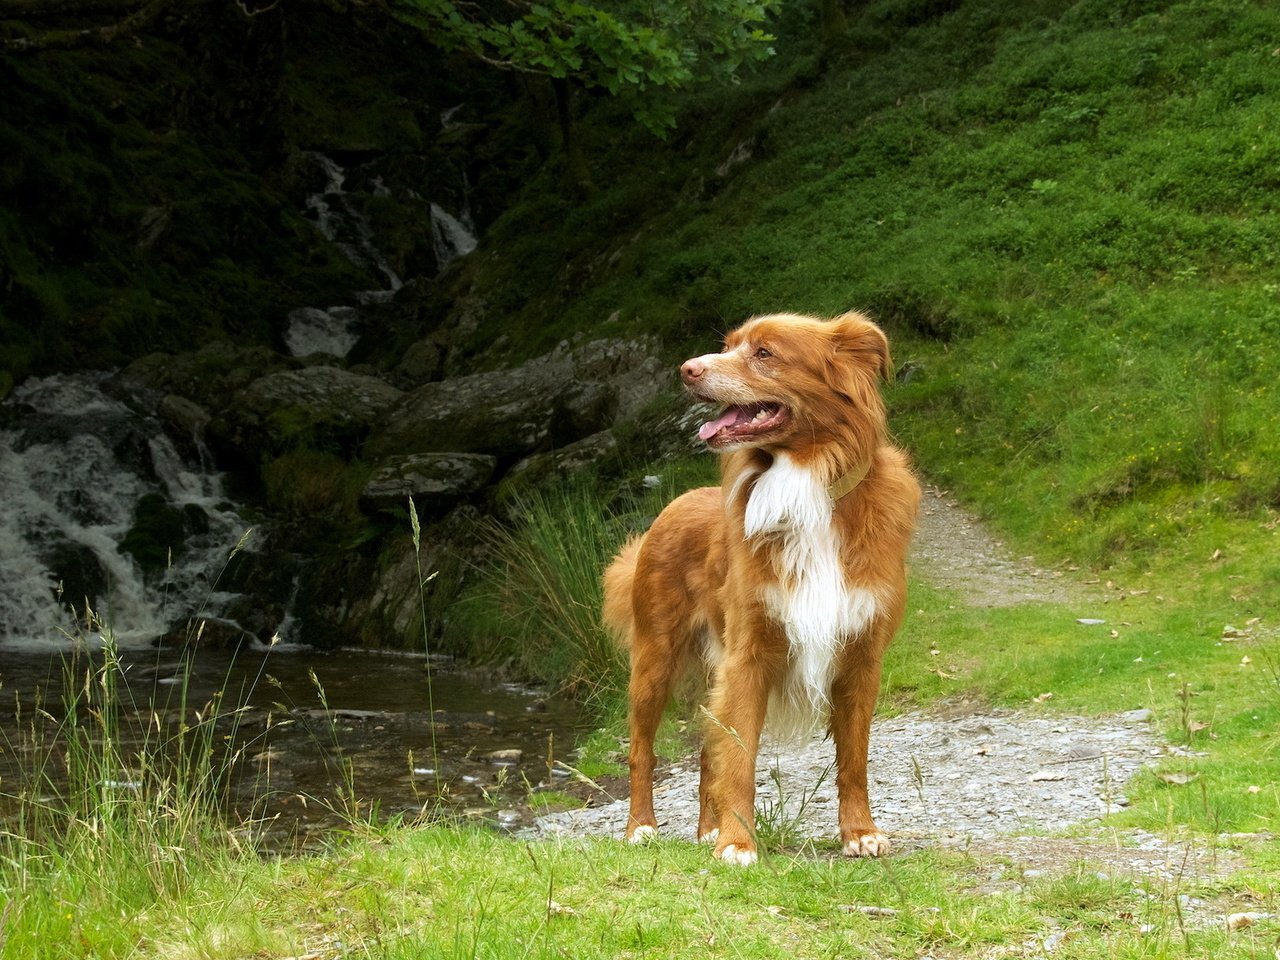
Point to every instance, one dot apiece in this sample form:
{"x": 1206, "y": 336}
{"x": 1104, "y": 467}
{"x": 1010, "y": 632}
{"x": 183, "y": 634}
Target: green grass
{"x": 119, "y": 806}
{"x": 458, "y": 893}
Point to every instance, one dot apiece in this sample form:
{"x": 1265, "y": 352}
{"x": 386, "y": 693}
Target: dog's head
{"x": 788, "y": 382}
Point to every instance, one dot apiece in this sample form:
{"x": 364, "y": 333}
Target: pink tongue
{"x": 712, "y": 427}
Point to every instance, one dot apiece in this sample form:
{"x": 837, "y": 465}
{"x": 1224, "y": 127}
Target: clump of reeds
{"x": 538, "y": 602}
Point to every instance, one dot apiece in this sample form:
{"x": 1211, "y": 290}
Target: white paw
{"x": 740, "y": 858}
{"x": 642, "y": 834}
{"x": 710, "y": 836}
{"x": 871, "y": 845}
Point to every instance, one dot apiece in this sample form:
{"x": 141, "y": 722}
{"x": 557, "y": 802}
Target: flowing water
{"x": 81, "y": 460}
{"x": 334, "y": 330}
{"x": 452, "y": 237}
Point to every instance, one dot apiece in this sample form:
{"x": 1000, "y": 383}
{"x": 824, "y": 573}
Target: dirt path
{"x": 953, "y": 550}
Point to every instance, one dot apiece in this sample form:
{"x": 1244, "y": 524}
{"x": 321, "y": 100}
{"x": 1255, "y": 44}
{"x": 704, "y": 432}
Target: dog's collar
{"x": 845, "y": 484}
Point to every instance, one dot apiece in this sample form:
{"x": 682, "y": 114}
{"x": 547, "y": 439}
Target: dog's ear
{"x": 867, "y": 342}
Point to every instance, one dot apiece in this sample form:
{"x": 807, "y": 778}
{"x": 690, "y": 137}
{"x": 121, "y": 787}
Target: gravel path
{"x": 953, "y": 550}
{"x": 936, "y": 778}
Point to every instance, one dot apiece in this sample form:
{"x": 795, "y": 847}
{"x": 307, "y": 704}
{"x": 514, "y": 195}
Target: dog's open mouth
{"x": 742, "y": 422}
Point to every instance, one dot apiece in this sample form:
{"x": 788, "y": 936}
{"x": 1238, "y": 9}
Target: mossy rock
{"x": 159, "y": 532}
{"x": 317, "y": 407}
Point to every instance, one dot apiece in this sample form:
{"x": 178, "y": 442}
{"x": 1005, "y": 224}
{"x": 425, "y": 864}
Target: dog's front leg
{"x": 853, "y": 700}
{"x": 737, "y": 711}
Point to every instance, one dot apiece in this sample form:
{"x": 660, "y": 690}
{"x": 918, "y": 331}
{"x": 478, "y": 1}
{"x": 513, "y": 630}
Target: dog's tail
{"x": 617, "y": 615}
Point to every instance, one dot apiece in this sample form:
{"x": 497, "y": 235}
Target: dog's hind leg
{"x": 708, "y": 822}
{"x": 652, "y": 670}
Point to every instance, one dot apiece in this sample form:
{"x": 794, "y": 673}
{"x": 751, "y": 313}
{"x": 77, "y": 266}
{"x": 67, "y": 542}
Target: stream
{"x": 313, "y": 731}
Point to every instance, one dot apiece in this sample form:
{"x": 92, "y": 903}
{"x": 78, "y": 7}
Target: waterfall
{"x": 452, "y": 237}
{"x": 341, "y": 222}
{"x": 333, "y": 330}
{"x": 79, "y": 464}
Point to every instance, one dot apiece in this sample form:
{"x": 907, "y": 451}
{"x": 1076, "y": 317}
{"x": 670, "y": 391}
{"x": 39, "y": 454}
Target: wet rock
{"x": 210, "y": 632}
{"x": 209, "y": 376}
{"x": 184, "y": 419}
{"x": 430, "y": 478}
{"x": 80, "y": 577}
{"x": 376, "y": 599}
{"x": 341, "y": 713}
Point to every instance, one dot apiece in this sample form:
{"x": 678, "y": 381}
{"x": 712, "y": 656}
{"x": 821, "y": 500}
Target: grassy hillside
{"x": 1065, "y": 213}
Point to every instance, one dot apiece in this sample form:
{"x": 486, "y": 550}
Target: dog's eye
{"x": 763, "y": 354}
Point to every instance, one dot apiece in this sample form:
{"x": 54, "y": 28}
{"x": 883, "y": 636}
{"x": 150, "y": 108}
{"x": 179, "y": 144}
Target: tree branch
{"x": 91, "y": 36}
{"x": 260, "y": 11}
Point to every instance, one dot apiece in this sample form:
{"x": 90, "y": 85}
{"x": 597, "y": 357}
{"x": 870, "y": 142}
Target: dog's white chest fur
{"x": 812, "y": 598}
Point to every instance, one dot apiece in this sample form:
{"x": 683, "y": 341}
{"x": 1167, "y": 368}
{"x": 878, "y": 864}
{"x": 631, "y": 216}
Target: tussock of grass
{"x": 538, "y": 604}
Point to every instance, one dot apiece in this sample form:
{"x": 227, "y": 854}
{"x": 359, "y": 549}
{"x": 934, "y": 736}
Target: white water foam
{"x": 74, "y": 462}
{"x": 452, "y": 237}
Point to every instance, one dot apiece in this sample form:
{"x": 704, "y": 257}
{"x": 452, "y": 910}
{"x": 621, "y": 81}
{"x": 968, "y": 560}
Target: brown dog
{"x": 786, "y": 583}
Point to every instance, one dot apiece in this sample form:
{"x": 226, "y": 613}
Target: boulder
{"x": 184, "y": 420}
{"x": 550, "y": 401}
{"x": 503, "y": 413}
{"x": 313, "y": 406}
{"x": 209, "y": 376}
{"x": 554, "y": 464}
{"x": 380, "y": 599}
{"x": 431, "y": 479}
{"x": 421, "y": 362}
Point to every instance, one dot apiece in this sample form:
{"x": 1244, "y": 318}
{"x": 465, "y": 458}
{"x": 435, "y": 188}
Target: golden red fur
{"x": 786, "y": 583}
